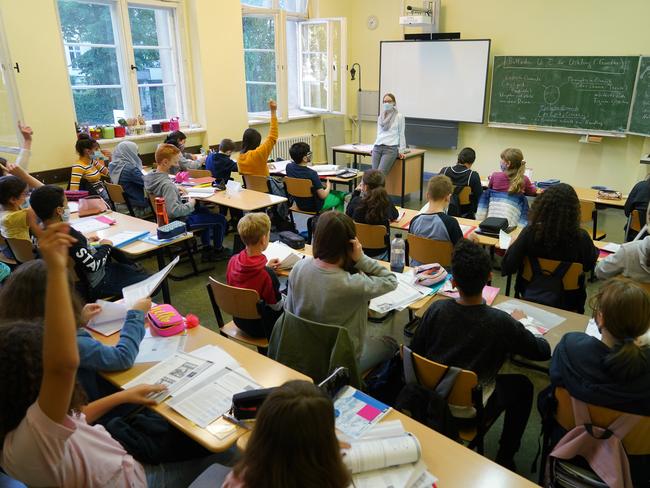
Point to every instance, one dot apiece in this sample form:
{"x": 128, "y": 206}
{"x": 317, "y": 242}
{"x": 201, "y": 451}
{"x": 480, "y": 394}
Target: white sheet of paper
{"x": 154, "y": 349}
{"x": 282, "y": 252}
{"x": 206, "y": 190}
{"x": 233, "y": 187}
{"x": 73, "y": 206}
{"x": 88, "y": 225}
{"x": 546, "y": 319}
{"x": 110, "y": 320}
{"x": 611, "y": 247}
{"x": 398, "y": 299}
{"x": 145, "y": 288}
{"x": 504, "y": 240}
{"x": 464, "y": 229}
{"x": 592, "y": 329}
{"x": 215, "y": 355}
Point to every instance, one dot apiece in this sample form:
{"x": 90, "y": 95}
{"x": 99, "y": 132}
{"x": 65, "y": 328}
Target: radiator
{"x": 281, "y": 149}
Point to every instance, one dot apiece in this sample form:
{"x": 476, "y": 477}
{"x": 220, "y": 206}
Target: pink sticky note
{"x": 368, "y": 412}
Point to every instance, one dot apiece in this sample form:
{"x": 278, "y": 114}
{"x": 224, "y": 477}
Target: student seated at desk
{"x": 461, "y": 175}
{"x": 324, "y": 198}
{"x": 158, "y": 184}
{"x": 433, "y": 221}
{"x": 255, "y": 153}
{"x": 371, "y": 205}
{"x": 90, "y": 168}
{"x": 250, "y": 269}
{"x": 613, "y": 371}
{"x": 294, "y": 444}
{"x": 219, "y": 163}
{"x": 16, "y": 219}
{"x": 187, "y": 160}
{"x": 637, "y": 200}
{"x": 511, "y": 178}
{"x": 126, "y": 170}
{"x": 469, "y": 334}
{"x": 334, "y": 286}
{"x": 46, "y": 425}
{"x": 105, "y": 276}
{"x": 553, "y": 232}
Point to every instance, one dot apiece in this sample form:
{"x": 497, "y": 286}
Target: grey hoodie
{"x": 160, "y": 185}
{"x": 630, "y": 261}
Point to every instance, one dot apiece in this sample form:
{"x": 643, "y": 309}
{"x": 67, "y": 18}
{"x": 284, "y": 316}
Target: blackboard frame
{"x": 634, "y": 100}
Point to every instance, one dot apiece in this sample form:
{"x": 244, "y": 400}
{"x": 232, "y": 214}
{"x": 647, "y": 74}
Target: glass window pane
{"x": 315, "y": 95}
{"x": 149, "y": 27}
{"x": 154, "y": 65}
{"x": 86, "y": 22}
{"x": 93, "y": 66}
{"x": 258, "y": 96}
{"x": 158, "y": 102}
{"x": 260, "y": 66}
{"x": 314, "y": 67}
{"x": 258, "y": 3}
{"x": 96, "y": 105}
{"x": 299, "y": 6}
{"x": 259, "y": 32}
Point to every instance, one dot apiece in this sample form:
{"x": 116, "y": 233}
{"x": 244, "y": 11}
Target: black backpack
{"x": 429, "y": 407}
{"x": 544, "y": 287}
{"x": 454, "y": 209}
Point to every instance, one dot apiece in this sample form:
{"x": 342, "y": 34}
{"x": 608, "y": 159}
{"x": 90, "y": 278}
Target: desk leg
{"x": 421, "y": 176}
{"x": 355, "y": 164}
{"x": 404, "y": 181}
{"x": 334, "y": 153}
{"x": 167, "y": 298}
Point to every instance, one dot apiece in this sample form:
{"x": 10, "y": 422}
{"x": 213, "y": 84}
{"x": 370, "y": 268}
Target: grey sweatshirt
{"x": 630, "y": 261}
{"x": 335, "y": 297}
{"x": 160, "y": 185}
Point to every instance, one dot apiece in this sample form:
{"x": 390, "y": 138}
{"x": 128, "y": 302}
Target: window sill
{"x": 149, "y": 135}
{"x": 292, "y": 117}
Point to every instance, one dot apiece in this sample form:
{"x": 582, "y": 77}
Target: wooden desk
{"x": 276, "y": 171}
{"x": 264, "y": 370}
{"x": 403, "y": 178}
{"x": 140, "y": 248}
{"x": 245, "y": 200}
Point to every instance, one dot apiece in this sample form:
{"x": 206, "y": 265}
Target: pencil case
{"x": 171, "y": 230}
{"x": 246, "y": 404}
{"x": 165, "y": 320}
{"x": 429, "y": 274}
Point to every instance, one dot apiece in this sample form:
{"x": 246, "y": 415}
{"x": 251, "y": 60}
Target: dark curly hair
{"x": 555, "y": 216}
{"x": 470, "y": 267}
{"x": 21, "y": 363}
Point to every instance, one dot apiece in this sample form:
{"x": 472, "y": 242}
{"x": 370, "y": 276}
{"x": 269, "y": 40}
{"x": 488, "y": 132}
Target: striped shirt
{"x": 91, "y": 172}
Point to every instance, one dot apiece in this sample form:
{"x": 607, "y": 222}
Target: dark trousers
{"x": 513, "y": 395}
{"x": 215, "y": 225}
{"x": 119, "y": 275}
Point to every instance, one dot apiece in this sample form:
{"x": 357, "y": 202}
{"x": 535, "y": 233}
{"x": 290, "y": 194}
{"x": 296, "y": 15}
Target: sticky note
{"x": 368, "y": 412}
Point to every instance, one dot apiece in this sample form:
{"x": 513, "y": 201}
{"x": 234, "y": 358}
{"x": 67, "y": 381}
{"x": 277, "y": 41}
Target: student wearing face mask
{"x": 188, "y": 160}
{"x": 391, "y": 141}
{"x": 90, "y": 168}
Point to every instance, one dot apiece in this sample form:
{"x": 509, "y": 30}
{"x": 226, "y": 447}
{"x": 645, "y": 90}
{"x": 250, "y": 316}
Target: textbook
{"x": 357, "y": 412}
{"x": 282, "y": 252}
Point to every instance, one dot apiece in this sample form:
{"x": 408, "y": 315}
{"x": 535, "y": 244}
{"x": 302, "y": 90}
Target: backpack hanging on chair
{"x": 546, "y": 287}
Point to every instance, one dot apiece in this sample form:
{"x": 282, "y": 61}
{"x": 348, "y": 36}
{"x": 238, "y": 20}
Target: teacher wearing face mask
{"x": 390, "y": 142}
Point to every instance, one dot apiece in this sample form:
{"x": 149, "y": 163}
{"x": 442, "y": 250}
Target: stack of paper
{"x": 200, "y": 192}
{"x": 110, "y": 320}
{"x": 283, "y": 253}
{"x": 88, "y": 225}
{"x": 407, "y": 292}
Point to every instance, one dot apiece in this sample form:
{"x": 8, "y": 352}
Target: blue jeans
{"x": 215, "y": 224}
{"x": 182, "y": 474}
{"x": 383, "y": 157}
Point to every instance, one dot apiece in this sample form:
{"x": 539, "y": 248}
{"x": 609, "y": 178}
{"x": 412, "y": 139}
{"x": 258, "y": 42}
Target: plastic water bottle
{"x": 397, "y": 254}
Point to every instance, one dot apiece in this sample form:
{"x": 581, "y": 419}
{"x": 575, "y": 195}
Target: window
{"x": 111, "y": 78}
{"x": 9, "y": 106}
{"x": 296, "y": 61}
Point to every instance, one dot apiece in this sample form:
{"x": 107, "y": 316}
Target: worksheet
{"x": 146, "y": 287}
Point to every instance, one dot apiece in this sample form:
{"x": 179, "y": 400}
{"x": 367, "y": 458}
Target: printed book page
{"x": 370, "y": 455}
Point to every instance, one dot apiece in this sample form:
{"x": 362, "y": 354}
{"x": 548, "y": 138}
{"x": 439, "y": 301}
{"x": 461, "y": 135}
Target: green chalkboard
{"x": 640, "y": 121}
{"x": 593, "y": 93}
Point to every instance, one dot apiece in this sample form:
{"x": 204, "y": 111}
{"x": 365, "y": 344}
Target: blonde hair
{"x": 166, "y": 151}
{"x": 252, "y": 227}
{"x": 439, "y": 187}
{"x": 516, "y": 167}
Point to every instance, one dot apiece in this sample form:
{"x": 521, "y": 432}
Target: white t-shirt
{"x": 40, "y": 452}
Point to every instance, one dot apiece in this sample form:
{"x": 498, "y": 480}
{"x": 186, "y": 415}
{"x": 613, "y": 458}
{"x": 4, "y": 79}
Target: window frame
{"x": 7, "y": 72}
{"x": 125, "y": 52}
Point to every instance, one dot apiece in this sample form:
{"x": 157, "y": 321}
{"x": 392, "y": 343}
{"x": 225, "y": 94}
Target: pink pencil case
{"x": 165, "y": 320}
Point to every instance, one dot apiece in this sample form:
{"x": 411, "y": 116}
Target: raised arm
{"x": 267, "y": 146}
{"x": 60, "y": 353}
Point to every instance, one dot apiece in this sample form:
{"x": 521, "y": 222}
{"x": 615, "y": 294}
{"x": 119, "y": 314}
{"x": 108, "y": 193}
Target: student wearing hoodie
{"x": 613, "y": 371}
{"x": 632, "y": 260}
{"x": 462, "y": 175}
{"x": 220, "y": 163}
{"x": 125, "y": 169}
{"x": 250, "y": 269}
{"x": 158, "y": 184}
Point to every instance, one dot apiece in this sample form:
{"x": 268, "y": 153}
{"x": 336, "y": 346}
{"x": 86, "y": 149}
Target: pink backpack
{"x": 601, "y": 448}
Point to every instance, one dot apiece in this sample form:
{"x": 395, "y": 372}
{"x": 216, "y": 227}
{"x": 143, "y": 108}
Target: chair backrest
{"x": 199, "y": 173}
{"x": 464, "y": 194}
{"x": 371, "y": 236}
{"x": 427, "y": 250}
{"x": 635, "y": 221}
{"x": 429, "y": 374}
{"x": 256, "y": 183}
{"x": 22, "y": 249}
{"x": 298, "y": 187}
{"x": 587, "y": 210}
{"x": 116, "y": 193}
{"x": 571, "y": 280}
{"x": 637, "y": 442}
{"x": 237, "y": 302}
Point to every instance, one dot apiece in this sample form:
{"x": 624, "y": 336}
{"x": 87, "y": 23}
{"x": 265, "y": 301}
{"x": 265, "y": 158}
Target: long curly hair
{"x": 555, "y": 216}
{"x": 21, "y": 363}
{"x": 375, "y": 203}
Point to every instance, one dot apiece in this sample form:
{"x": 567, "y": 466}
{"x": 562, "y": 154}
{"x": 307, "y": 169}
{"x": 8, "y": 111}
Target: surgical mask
{"x": 503, "y": 166}
{"x": 181, "y": 147}
{"x": 388, "y": 106}
{"x": 98, "y": 155}
{"x": 66, "y": 215}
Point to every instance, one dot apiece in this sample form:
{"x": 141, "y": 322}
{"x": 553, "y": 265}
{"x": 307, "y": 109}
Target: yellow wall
{"x": 216, "y": 75}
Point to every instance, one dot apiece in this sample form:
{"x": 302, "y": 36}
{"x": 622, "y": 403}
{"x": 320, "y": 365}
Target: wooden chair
{"x": 300, "y": 188}
{"x": 465, "y": 393}
{"x": 588, "y": 215}
{"x": 199, "y": 173}
{"x": 242, "y": 303}
{"x": 427, "y": 250}
{"x": 118, "y": 197}
{"x": 371, "y": 236}
{"x": 256, "y": 183}
{"x": 635, "y": 221}
{"x": 22, "y": 249}
{"x": 572, "y": 279}
{"x": 4, "y": 259}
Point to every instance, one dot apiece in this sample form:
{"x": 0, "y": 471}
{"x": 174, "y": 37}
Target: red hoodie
{"x": 246, "y": 271}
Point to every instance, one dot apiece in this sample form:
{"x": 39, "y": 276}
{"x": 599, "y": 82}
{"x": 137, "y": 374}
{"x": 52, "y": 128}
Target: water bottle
{"x": 397, "y": 254}
{"x": 161, "y": 212}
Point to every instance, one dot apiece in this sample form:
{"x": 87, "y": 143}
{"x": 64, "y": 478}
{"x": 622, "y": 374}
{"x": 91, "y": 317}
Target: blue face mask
{"x": 503, "y": 166}
{"x": 388, "y": 105}
{"x": 98, "y": 155}
{"x": 66, "y": 215}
